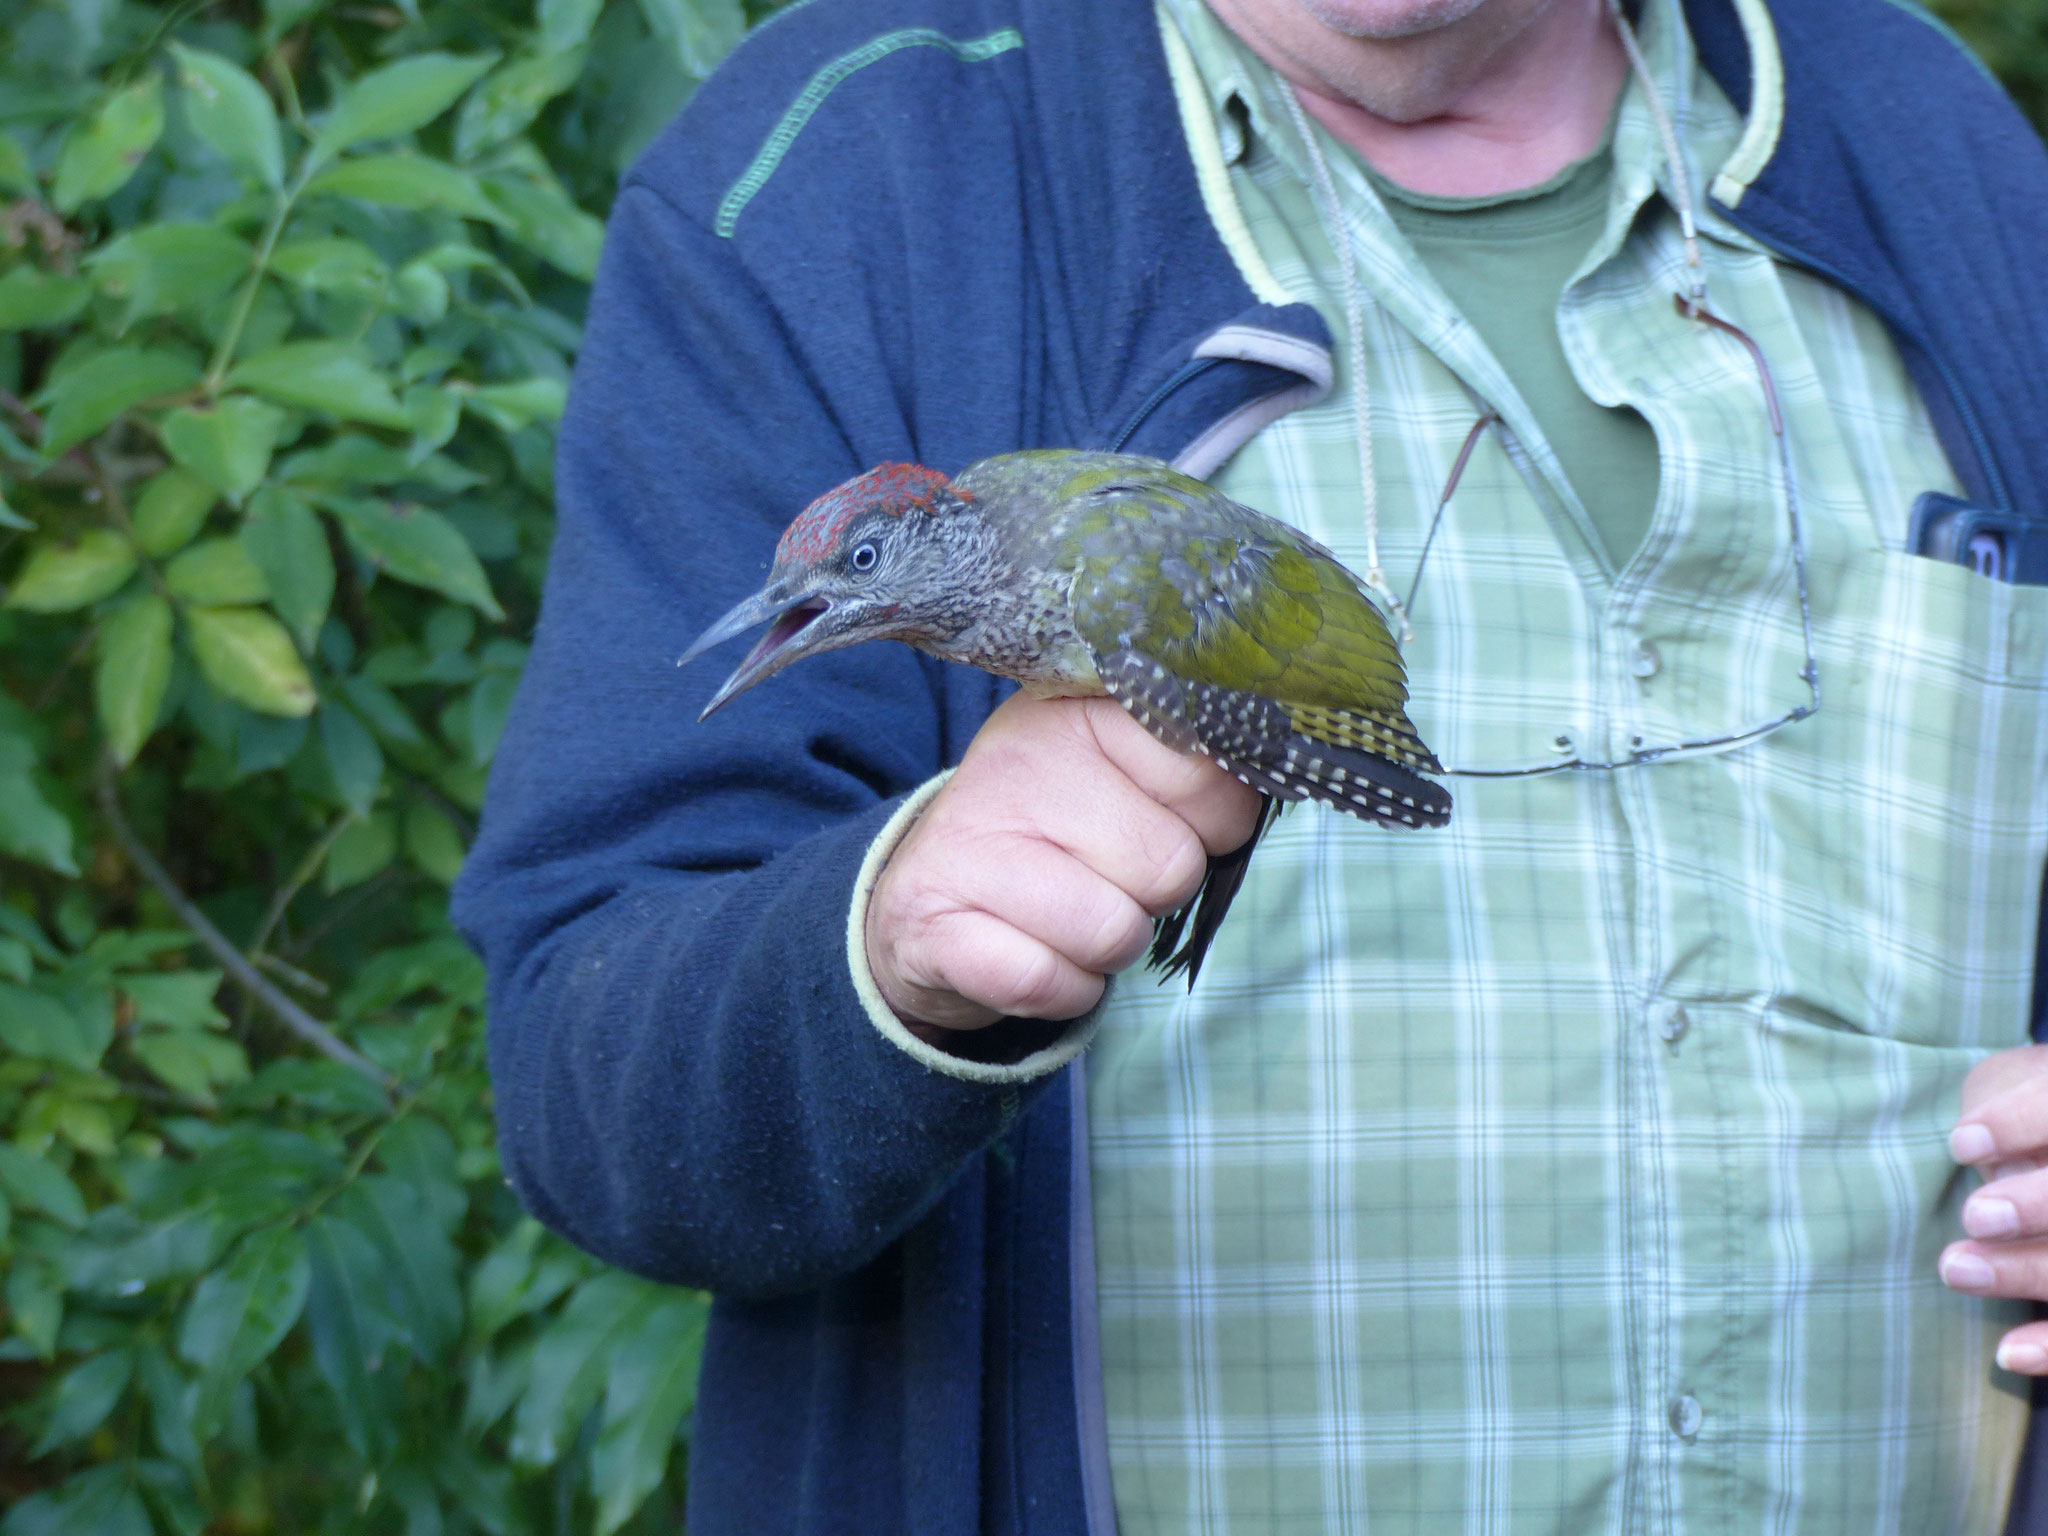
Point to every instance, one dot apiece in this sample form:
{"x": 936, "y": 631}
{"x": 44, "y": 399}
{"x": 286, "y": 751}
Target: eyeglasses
{"x": 1692, "y": 308}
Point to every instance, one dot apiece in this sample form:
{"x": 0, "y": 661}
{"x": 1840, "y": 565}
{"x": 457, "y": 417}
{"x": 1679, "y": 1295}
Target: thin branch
{"x": 253, "y": 981}
{"x": 307, "y": 868}
{"x": 284, "y": 970}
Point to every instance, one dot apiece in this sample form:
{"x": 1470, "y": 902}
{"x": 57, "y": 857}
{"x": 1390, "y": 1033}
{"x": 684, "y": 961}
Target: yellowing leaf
{"x": 228, "y": 444}
{"x": 229, "y": 110}
{"x": 247, "y": 655}
{"x": 134, "y": 669}
{"x": 101, "y": 153}
{"x": 329, "y": 376}
{"x": 57, "y": 578}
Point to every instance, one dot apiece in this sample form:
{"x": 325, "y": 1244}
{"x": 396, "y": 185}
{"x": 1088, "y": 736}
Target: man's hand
{"x": 2003, "y": 1133}
{"x": 1037, "y": 871}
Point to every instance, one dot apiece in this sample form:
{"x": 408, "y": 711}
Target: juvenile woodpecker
{"x": 1221, "y": 630}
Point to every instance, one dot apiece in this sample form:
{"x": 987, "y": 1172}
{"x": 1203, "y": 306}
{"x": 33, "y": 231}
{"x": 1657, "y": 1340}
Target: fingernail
{"x": 1988, "y": 1216}
{"x": 1970, "y": 1143}
{"x": 2028, "y": 1359}
{"x": 1967, "y": 1272}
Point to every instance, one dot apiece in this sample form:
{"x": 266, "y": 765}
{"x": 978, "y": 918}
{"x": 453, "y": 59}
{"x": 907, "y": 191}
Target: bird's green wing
{"x": 1222, "y": 597}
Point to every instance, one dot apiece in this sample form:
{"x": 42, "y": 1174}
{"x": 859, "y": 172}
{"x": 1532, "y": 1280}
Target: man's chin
{"x": 1384, "y": 20}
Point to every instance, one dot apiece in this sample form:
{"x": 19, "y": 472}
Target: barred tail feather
{"x": 1181, "y": 939}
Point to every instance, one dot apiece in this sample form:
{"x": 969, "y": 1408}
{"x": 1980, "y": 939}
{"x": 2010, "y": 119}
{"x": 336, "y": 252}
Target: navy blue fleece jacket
{"x": 933, "y": 230}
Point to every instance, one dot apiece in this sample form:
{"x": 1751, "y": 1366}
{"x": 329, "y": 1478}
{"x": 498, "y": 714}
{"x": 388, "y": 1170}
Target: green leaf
{"x": 33, "y": 300}
{"x": 35, "y": 1025}
{"x": 240, "y": 1313}
{"x": 565, "y": 23}
{"x": 652, "y": 1385}
{"x": 249, "y": 657}
{"x": 84, "y": 1396}
{"x": 406, "y": 181}
{"x": 57, "y": 578}
{"x": 228, "y": 444}
{"x": 39, "y": 1184}
{"x": 37, "y": 1302}
{"x": 15, "y": 959}
{"x": 508, "y": 407}
{"x": 216, "y": 573}
{"x": 171, "y": 508}
{"x": 544, "y": 220}
{"x": 508, "y": 102}
{"x": 396, "y": 100}
{"x": 363, "y": 849}
{"x": 97, "y": 1502}
{"x": 331, "y": 264}
{"x": 164, "y": 267}
{"x": 231, "y": 112}
{"x": 16, "y": 174}
{"x": 30, "y": 827}
{"x": 572, "y": 1360}
{"x": 432, "y": 843}
{"x": 171, "y": 1401}
{"x": 416, "y": 546}
{"x": 134, "y": 670}
{"x": 699, "y": 32}
{"x": 329, "y": 376}
{"x": 178, "y": 999}
{"x": 490, "y": 706}
{"x": 419, "y": 1264}
{"x": 89, "y": 396}
{"x": 422, "y": 295}
{"x": 191, "y": 1063}
{"x": 285, "y": 539}
{"x": 101, "y": 153}
{"x": 353, "y": 756}
{"x": 350, "y": 1327}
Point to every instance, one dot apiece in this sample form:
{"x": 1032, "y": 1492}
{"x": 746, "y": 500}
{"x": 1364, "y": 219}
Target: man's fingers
{"x": 989, "y": 965}
{"x": 2005, "y": 1109}
{"x": 1038, "y": 889}
{"x": 2012, "y": 1207}
{"x": 2018, "y": 1270}
{"x": 1220, "y": 809}
{"x": 2024, "y": 1351}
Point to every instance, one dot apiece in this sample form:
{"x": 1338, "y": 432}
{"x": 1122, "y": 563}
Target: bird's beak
{"x": 801, "y": 623}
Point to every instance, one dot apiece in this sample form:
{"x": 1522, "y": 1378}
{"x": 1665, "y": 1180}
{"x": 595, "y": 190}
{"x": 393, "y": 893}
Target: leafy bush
{"x": 287, "y": 303}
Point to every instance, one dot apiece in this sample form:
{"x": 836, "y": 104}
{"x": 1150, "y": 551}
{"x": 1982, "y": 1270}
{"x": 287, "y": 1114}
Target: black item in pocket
{"x": 2000, "y": 545}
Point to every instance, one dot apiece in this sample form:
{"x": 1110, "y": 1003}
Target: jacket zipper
{"x": 1192, "y": 369}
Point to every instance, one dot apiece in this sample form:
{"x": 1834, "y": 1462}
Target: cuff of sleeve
{"x": 1041, "y": 1062}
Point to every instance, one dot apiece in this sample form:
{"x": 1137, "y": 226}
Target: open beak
{"x": 788, "y": 616}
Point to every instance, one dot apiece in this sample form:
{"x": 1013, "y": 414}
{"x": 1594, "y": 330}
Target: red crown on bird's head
{"x": 891, "y": 488}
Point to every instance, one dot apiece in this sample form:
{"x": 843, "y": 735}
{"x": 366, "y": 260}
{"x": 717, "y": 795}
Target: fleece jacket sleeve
{"x": 688, "y": 1080}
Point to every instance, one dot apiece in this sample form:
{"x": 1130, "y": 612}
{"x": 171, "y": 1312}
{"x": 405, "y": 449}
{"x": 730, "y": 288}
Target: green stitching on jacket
{"x": 822, "y": 84}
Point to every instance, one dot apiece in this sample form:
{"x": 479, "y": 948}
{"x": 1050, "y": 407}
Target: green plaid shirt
{"x": 1582, "y": 1167}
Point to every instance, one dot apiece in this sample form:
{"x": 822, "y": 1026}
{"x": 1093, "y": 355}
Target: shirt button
{"x": 1564, "y": 744}
{"x": 1672, "y": 1022}
{"x": 1686, "y": 1417}
{"x": 1646, "y": 663}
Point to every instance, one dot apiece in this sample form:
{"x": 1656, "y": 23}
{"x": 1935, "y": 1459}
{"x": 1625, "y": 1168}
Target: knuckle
{"x": 1035, "y": 984}
{"x": 1178, "y": 861}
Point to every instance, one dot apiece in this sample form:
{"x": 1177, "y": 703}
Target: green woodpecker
{"x": 1221, "y": 630}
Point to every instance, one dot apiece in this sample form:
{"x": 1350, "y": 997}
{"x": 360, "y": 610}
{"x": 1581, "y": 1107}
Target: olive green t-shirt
{"x": 1504, "y": 262}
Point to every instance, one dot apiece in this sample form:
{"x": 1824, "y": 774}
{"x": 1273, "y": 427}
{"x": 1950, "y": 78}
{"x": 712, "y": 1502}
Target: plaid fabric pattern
{"x": 1581, "y": 1167}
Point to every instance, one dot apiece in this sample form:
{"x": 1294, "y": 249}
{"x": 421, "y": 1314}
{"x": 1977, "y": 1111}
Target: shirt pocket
{"x": 1932, "y": 746}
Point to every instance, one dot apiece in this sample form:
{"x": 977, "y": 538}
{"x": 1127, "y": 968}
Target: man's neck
{"x": 1494, "y": 102}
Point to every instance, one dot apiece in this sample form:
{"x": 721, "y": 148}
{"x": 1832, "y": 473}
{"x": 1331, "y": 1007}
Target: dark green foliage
{"x": 288, "y": 299}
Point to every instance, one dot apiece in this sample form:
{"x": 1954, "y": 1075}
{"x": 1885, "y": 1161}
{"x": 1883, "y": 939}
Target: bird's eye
{"x": 864, "y": 557}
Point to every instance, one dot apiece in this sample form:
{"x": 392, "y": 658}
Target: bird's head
{"x": 862, "y": 562}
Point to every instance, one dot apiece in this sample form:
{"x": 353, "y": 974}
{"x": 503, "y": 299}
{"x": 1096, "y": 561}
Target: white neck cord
{"x": 1341, "y": 243}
